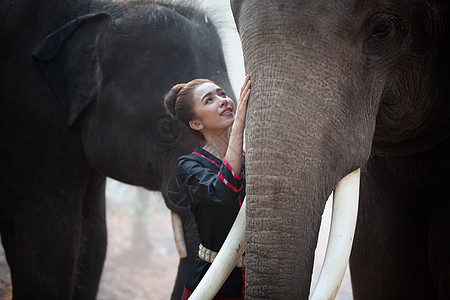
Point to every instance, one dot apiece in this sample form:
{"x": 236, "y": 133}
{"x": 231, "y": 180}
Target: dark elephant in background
{"x": 82, "y": 104}
{"x": 337, "y": 86}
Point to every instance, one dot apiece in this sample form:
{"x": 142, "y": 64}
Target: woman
{"x": 213, "y": 175}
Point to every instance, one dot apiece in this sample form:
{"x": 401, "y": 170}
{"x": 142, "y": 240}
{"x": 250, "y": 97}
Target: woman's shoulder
{"x": 203, "y": 157}
{"x": 191, "y": 156}
{"x": 190, "y": 159}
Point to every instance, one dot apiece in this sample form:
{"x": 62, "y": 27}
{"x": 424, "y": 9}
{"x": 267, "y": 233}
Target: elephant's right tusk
{"x": 225, "y": 261}
{"x": 343, "y": 223}
{"x": 180, "y": 243}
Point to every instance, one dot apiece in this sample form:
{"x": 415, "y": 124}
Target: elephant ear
{"x": 68, "y": 60}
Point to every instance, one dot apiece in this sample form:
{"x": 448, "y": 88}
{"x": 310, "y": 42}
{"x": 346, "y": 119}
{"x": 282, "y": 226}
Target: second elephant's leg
{"x": 41, "y": 239}
{"x": 93, "y": 242}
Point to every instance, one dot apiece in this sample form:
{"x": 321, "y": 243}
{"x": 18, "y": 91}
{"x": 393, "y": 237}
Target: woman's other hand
{"x": 235, "y": 145}
{"x": 241, "y": 108}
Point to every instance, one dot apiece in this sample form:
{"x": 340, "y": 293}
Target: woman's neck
{"x": 217, "y": 144}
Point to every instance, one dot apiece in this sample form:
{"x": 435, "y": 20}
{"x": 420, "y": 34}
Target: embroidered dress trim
{"x": 228, "y": 184}
{"x": 232, "y": 171}
{"x": 201, "y": 155}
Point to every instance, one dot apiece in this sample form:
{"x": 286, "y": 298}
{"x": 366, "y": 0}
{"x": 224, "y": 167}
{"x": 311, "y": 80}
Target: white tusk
{"x": 343, "y": 223}
{"x": 177, "y": 226}
{"x": 225, "y": 261}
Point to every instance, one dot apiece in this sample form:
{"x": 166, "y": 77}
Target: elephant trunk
{"x": 287, "y": 187}
{"x": 286, "y": 194}
{"x": 288, "y": 182}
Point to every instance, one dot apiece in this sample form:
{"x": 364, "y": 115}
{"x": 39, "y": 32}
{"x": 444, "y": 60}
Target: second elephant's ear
{"x": 68, "y": 60}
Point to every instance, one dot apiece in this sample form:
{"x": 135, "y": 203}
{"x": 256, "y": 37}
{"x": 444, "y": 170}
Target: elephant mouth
{"x": 343, "y": 223}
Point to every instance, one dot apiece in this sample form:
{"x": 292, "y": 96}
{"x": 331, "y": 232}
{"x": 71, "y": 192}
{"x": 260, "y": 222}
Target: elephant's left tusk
{"x": 225, "y": 261}
{"x": 177, "y": 226}
{"x": 343, "y": 223}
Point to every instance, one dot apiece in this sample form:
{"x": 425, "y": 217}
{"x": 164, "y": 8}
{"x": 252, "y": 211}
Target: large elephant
{"x": 83, "y": 103}
{"x": 337, "y": 86}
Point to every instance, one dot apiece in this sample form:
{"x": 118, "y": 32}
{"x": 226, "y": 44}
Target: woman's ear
{"x": 196, "y": 125}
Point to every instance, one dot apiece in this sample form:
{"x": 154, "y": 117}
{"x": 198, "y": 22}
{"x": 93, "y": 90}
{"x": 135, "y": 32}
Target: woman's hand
{"x": 241, "y": 109}
{"x": 234, "y": 151}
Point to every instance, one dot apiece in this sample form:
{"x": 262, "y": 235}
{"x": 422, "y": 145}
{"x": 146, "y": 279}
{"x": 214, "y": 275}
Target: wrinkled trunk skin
{"x": 298, "y": 139}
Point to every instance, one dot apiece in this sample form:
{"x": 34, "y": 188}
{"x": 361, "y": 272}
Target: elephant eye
{"x": 165, "y": 130}
{"x": 385, "y": 35}
{"x": 381, "y": 30}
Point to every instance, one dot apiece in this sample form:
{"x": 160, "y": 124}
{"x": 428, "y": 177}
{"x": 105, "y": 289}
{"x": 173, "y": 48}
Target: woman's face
{"x": 214, "y": 110}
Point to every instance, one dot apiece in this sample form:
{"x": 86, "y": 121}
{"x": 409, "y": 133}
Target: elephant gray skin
{"x": 336, "y": 86}
{"x": 82, "y": 104}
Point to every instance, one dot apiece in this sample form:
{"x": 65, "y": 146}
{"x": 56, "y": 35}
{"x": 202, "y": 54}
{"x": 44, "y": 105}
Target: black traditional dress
{"x": 216, "y": 193}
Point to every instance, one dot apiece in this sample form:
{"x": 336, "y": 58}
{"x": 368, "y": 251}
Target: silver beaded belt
{"x": 209, "y": 256}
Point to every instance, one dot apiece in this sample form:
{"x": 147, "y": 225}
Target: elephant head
{"x": 338, "y": 86}
{"x": 111, "y": 75}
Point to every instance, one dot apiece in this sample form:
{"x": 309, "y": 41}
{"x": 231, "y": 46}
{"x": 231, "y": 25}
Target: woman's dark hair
{"x": 179, "y": 104}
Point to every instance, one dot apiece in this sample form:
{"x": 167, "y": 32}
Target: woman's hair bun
{"x": 179, "y": 103}
{"x": 170, "y": 99}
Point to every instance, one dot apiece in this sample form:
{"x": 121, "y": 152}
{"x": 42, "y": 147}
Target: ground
{"x": 142, "y": 259}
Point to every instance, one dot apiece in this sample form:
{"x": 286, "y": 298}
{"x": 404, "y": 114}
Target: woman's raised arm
{"x": 236, "y": 143}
